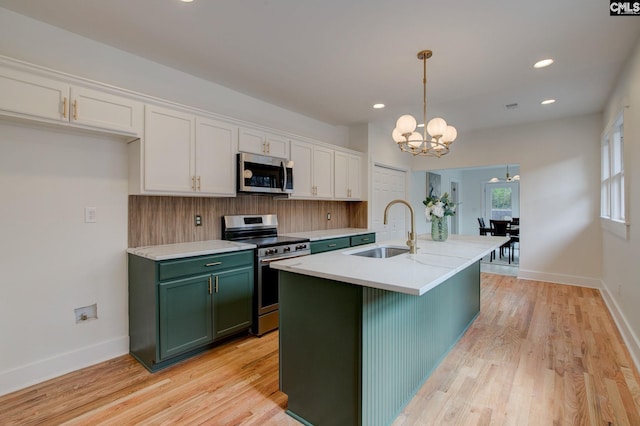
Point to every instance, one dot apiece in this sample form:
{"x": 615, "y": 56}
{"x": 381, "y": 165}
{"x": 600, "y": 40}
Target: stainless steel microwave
{"x": 262, "y": 173}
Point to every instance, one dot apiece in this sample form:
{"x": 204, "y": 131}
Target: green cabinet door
{"x": 232, "y": 301}
{"x": 185, "y": 315}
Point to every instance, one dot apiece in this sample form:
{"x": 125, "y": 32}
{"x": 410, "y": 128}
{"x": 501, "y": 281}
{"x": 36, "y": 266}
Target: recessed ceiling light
{"x": 186, "y": 1}
{"x": 548, "y": 101}
{"x": 378, "y": 106}
{"x": 420, "y": 125}
{"x": 543, "y": 63}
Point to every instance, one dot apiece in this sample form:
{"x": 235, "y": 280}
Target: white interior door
{"x": 388, "y": 184}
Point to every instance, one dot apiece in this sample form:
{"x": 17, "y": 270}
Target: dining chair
{"x": 500, "y": 228}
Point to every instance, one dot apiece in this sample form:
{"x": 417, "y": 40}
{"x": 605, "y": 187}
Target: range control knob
{"x": 286, "y": 249}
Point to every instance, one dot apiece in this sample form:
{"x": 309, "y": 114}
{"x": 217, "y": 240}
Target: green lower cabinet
{"x": 185, "y": 315}
{"x": 176, "y": 309}
{"x": 331, "y": 244}
{"x": 232, "y": 301}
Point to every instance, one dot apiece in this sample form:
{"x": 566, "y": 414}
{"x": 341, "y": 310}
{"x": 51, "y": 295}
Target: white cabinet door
{"x": 105, "y": 111}
{"x": 347, "y": 176}
{"x": 258, "y": 142}
{"x": 31, "y": 96}
{"x": 215, "y": 157}
{"x": 302, "y": 157}
{"x": 277, "y": 146}
{"x": 355, "y": 177}
{"x": 312, "y": 170}
{"x": 169, "y": 144}
{"x": 323, "y": 172}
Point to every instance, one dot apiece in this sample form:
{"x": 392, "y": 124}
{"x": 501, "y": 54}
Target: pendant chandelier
{"x": 508, "y": 178}
{"x": 436, "y": 136}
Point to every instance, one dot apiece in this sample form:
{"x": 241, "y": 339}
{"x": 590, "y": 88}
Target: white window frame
{"x": 613, "y": 188}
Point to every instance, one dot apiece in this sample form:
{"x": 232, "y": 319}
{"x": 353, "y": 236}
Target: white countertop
{"x": 406, "y": 273}
{"x": 330, "y": 233}
{"x": 180, "y": 250}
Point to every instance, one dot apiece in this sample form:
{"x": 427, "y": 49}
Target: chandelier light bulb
{"x": 397, "y": 136}
{"x": 406, "y": 124}
{"x": 436, "y": 127}
{"x": 450, "y": 134}
{"x": 415, "y": 139}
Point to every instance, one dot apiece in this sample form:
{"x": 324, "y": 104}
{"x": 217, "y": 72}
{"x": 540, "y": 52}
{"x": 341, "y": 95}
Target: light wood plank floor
{"x": 538, "y": 354}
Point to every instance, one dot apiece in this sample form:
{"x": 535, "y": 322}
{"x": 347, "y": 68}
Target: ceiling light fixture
{"x": 440, "y": 136}
{"x": 548, "y": 101}
{"x": 507, "y": 178}
{"x": 378, "y": 106}
{"x": 543, "y": 63}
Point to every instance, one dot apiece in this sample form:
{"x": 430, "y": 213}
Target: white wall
{"x": 621, "y": 268}
{"x": 559, "y": 192}
{"x": 51, "y": 260}
{"x": 41, "y": 44}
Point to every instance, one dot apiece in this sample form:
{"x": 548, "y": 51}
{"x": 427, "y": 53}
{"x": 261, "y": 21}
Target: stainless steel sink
{"x": 380, "y": 252}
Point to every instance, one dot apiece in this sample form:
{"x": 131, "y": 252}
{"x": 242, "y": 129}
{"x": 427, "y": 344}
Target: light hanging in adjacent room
{"x": 507, "y": 178}
{"x": 436, "y": 137}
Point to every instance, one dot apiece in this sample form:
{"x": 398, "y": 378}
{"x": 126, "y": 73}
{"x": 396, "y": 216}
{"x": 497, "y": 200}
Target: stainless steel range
{"x": 262, "y": 230}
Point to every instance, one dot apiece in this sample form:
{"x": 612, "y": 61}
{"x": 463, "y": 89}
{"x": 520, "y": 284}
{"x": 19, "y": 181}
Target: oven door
{"x": 267, "y": 284}
{"x": 260, "y": 173}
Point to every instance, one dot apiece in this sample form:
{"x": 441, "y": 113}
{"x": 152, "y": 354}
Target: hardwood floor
{"x": 538, "y": 354}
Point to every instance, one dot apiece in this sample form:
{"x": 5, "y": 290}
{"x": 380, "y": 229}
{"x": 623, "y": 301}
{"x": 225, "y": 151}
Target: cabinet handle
{"x": 198, "y": 183}
{"x": 332, "y": 245}
{"x": 213, "y": 264}
{"x": 216, "y": 283}
{"x": 209, "y": 284}
{"x": 65, "y": 104}
{"x": 268, "y": 147}
{"x": 75, "y": 109}
{"x": 193, "y": 183}
{"x": 365, "y": 239}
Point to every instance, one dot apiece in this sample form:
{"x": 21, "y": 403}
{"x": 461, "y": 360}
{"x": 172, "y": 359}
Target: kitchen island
{"x": 359, "y": 335}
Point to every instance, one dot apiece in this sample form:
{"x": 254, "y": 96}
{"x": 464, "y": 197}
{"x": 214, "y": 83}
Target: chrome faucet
{"x": 411, "y": 242}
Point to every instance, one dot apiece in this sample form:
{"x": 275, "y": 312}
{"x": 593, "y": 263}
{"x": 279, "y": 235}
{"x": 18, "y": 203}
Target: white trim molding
{"x": 629, "y": 337}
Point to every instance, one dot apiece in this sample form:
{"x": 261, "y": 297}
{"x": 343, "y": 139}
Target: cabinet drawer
{"x": 203, "y": 264}
{"x": 363, "y": 239}
{"x": 328, "y": 245}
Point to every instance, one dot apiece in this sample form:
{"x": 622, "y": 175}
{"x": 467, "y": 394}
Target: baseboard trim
{"x": 629, "y": 337}
{"x": 559, "y": 278}
{"x": 39, "y": 371}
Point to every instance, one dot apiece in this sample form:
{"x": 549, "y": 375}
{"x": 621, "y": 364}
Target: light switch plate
{"x": 90, "y": 215}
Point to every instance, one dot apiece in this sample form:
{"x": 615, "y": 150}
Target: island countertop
{"x": 180, "y": 250}
{"x": 326, "y": 234}
{"x": 413, "y": 274}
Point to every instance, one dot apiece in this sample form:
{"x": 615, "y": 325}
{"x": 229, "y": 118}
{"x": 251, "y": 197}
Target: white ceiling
{"x": 333, "y": 59}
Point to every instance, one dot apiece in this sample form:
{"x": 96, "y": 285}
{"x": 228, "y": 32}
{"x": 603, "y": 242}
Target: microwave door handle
{"x": 284, "y": 183}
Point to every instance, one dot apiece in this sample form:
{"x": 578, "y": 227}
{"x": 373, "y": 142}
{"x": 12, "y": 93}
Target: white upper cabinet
{"x": 348, "y": 179}
{"x": 169, "y": 151}
{"x": 312, "y": 170}
{"x": 185, "y": 154}
{"x": 215, "y": 157}
{"x": 258, "y": 142}
{"x": 31, "y": 96}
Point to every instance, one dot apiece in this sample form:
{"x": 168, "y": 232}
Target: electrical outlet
{"x": 198, "y": 220}
{"x": 86, "y": 313}
{"x": 90, "y": 215}
{"x": 328, "y": 216}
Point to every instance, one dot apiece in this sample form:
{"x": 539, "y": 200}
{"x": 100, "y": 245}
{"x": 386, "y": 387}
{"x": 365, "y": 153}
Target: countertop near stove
{"x": 413, "y": 274}
{"x": 180, "y": 250}
{"x": 330, "y": 233}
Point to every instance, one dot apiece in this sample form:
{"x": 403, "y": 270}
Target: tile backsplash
{"x": 166, "y": 220}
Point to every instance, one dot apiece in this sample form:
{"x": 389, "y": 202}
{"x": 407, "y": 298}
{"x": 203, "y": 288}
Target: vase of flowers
{"x": 437, "y": 209}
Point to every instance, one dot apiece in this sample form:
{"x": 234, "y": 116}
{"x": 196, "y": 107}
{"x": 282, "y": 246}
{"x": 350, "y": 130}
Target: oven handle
{"x": 284, "y": 169}
{"x": 275, "y": 259}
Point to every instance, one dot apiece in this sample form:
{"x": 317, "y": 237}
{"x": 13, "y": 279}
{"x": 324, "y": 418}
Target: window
{"x": 612, "y": 188}
{"x": 502, "y": 200}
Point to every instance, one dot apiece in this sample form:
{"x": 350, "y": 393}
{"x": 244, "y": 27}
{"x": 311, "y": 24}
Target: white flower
{"x": 438, "y": 209}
